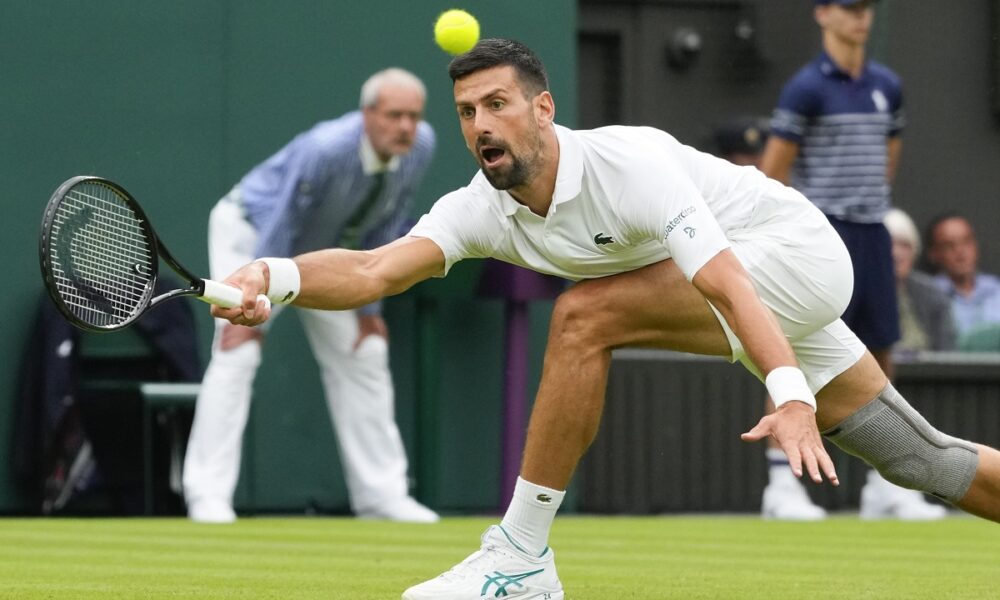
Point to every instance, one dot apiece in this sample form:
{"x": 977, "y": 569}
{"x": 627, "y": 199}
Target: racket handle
{"x": 224, "y": 295}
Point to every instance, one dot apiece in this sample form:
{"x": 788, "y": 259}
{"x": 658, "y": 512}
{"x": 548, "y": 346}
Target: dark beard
{"x": 506, "y": 178}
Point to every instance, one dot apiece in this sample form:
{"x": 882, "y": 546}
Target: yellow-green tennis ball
{"x": 456, "y": 31}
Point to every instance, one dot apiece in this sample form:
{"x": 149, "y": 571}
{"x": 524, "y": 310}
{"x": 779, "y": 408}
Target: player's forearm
{"x": 894, "y": 150}
{"x": 764, "y": 342}
{"x": 758, "y": 330}
{"x": 726, "y": 284}
{"x": 778, "y": 157}
{"x": 338, "y": 279}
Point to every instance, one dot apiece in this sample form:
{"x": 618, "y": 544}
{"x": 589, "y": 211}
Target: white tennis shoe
{"x": 211, "y": 510}
{"x": 499, "y": 569}
{"x": 786, "y": 499}
{"x": 883, "y": 500}
{"x": 403, "y": 510}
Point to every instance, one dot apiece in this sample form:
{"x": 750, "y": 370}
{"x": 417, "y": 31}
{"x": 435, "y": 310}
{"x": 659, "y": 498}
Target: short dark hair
{"x": 498, "y": 52}
{"x": 936, "y": 221}
{"x": 930, "y": 240}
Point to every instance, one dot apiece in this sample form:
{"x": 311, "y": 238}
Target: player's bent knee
{"x": 574, "y": 316}
{"x": 905, "y": 449}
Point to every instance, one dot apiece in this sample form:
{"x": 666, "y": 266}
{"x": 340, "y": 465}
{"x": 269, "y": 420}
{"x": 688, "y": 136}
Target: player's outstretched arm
{"x": 338, "y": 279}
{"x": 726, "y": 284}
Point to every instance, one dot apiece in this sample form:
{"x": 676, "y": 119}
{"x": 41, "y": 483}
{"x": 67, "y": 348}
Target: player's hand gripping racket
{"x": 100, "y": 257}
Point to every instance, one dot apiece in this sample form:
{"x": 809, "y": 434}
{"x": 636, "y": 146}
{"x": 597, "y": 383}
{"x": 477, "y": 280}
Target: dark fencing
{"x": 670, "y": 438}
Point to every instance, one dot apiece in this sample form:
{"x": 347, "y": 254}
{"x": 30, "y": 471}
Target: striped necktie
{"x": 351, "y": 239}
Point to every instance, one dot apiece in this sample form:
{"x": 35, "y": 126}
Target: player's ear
{"x": 819, "y": 13}
{"x": 545, "y": 108}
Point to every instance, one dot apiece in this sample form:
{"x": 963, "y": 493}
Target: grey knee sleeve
{"x": 892, "y": 437}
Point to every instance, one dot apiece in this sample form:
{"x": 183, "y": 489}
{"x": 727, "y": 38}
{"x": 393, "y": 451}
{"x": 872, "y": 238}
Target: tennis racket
{"x": 100, "y": 257}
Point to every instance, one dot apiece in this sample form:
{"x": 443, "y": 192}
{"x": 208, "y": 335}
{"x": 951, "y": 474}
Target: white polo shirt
{"x": 625, "y": 197}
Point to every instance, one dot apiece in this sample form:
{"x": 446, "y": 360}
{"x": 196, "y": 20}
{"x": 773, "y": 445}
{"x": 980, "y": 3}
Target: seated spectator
{"x": 954, "y": 253}
{"x": 925, "y": 315}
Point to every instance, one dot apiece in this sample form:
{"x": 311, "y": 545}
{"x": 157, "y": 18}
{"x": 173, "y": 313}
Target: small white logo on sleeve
{"x": 673, "y": 223}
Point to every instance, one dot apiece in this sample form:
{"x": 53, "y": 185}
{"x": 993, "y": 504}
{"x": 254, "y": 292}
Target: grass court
{"x": 599, "y": 558}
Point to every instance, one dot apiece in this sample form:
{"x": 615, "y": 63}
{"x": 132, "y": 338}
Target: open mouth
{"x": 491, "y": 155}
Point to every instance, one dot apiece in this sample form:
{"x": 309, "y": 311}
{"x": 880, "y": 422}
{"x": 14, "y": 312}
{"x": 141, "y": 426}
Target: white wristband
{"x": 283, "y": 280}
{"x": 788, "y": 383}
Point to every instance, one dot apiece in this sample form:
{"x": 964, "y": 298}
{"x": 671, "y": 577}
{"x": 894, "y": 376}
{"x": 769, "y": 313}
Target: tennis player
{"x": 673, "y": 249}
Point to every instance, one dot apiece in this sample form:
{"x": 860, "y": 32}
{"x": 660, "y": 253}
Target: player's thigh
{"x": 840, "y": 371}
{"x": 655, "y": 306}
{"x": 849, "y": 391}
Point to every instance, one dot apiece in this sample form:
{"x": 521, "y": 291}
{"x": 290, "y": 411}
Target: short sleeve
{"x": 797, "y": 104}
{"x": 462, "y": 225}
{"x": 665, "y": 205}
{"x": 896, "y": 106}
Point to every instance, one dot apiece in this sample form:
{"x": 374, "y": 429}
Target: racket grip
{"x": 224, "y": 295}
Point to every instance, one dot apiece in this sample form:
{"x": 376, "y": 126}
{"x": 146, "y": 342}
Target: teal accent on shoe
{"x": 502, "y": 580}
{"x": 512, "y": 542}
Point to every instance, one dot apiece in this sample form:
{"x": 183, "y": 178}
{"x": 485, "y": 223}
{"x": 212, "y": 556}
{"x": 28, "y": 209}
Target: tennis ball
{"x": 456, "y": 31}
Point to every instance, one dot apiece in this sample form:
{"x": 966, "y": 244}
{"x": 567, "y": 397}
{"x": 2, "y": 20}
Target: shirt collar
{"x": 830, "y": 68}
{"x": 370, "y": 162}
{"x": 981, "y": 285}
{"x": 569, "y": 176}
{"x": 569, "y": 173}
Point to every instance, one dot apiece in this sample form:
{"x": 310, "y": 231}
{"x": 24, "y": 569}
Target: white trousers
{"x": 357, "y": 384}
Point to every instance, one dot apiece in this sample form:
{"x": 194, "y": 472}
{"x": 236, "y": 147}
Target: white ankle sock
{"x": 530, "y": 514}
{"x": 778, "y": 468}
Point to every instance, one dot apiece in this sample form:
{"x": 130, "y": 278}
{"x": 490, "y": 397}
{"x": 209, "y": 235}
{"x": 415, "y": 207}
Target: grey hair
{"x": 901, "y": 227}
{"x": 391, "y": 76}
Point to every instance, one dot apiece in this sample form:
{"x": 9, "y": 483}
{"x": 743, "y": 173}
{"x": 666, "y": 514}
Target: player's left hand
{"x": 370, "y": 325}
{"x": 255, "y": 309}
{"x": 793, "y": 426}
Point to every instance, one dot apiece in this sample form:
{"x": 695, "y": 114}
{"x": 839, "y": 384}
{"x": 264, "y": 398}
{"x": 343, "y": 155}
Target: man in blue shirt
{"x": 954, "y": 251}
{"x": 347, "y": 182}
{"x": 835, "y": 138}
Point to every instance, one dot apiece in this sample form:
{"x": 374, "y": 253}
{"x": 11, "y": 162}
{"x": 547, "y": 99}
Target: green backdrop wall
{"x": 176, "y": 101}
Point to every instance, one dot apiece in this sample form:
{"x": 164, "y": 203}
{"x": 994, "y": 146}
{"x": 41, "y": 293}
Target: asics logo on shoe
{"x": 544, "y": 498}
{"x": 502, "y": 581}
{"x": 600, "y": 239}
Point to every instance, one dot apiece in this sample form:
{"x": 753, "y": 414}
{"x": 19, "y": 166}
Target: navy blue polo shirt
{"x": 842, "y": 126}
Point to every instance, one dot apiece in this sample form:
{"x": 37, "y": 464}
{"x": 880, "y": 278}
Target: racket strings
{"x": 102, "y": 261}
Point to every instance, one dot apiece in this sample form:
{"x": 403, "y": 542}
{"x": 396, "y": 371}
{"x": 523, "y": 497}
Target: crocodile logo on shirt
{"x": 601, "y": 240}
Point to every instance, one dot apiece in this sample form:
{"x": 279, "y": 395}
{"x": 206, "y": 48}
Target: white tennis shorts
{"x": 803, "y": 273}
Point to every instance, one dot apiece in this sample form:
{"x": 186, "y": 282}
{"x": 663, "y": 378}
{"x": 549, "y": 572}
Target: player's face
{"x": 391, "y": 124}
{"x": 954, "y": 248}
{"x": 849, "y": 24}
{"x": 501, "y": 127}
